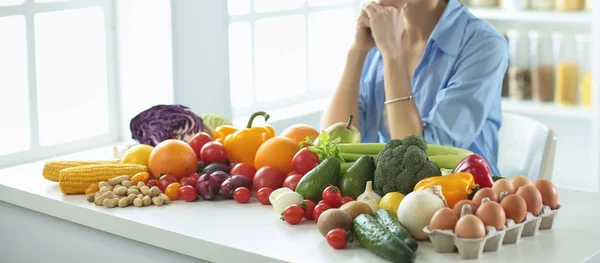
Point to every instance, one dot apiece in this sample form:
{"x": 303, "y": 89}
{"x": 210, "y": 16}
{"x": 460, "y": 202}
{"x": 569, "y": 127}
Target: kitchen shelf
{"x": 548, "y": 109}
{"x": 491, "y": 14}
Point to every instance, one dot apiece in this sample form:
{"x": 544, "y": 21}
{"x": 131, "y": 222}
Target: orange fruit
{"x": 278, "y": 153}
{"x": 172, "y": 156}
{"x": 299, "y": 132}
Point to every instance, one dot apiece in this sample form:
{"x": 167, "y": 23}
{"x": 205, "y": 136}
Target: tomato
{"x": 332, "y": 196}
{"x": 172, "y": 191}
{"x": 309, "y": 207}
{"x": 140, "y": 177}
{"x": 337, "y": 238}
{"x": 305, "y": 160}
{"x": 243, "y": 169}
{"x": 292, "y": 181}
{"x": 346, "y": 199}
{"x": 187, "y": 193}
{"x": 213, "y": 152}
{"x": 169, "y": 178}
{"x": 188, "y": 181}
{"x": 321, "y": 202}
{"x": 263, "y": 195}
{"x": 195, "y": 176}
{"x": 152, "y": 182}
{"x": 293, "y": 214}
{"x": 292, "y": 173}
{"x": 231, "y": 165}
{"x": 242, "y": 195}
{"x": 268, "y": 177}
{"x": 319, "y": 209}
{"x": 199, "y": 140}
{"x": 163, "y": 183}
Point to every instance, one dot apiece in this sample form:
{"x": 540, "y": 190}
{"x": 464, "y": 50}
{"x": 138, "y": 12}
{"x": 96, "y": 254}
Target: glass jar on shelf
{"x": 514, "y": 5}
{"x": 483, "y": 3}
{"x": 542, "y": 66}
{"x": 541, "y": 4}
{"x": 589, "y": 5}
{"x": 584, "y": 49}
{"x": 567, "y": 69}
{"x": 519, "y": 73}
{"x": 568, "y": 5}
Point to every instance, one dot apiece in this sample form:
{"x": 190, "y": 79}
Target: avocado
{"x": 313, "y": 183}
{"x": 353, "y": 182}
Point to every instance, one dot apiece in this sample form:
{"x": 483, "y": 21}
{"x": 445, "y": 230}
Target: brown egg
{"x": 469, "y": 226}
{"x": 514, "y": 207}
{"x": 443, "y": 219}
{"x": 458, "y": 207}
{"x": 503, "y": 185}
{"x": 519, "y": 181}
{"x": 548, "y": 191}
{"x": 483, "y": 193}
{"x": 532, "y": 197}
{"x": 492, "y": 214}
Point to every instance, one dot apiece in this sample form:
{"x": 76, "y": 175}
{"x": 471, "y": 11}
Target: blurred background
{"x": 74, "y": 72}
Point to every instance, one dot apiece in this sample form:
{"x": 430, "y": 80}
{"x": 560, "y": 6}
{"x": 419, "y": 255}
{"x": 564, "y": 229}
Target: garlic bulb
{"x": 370, "y": 197}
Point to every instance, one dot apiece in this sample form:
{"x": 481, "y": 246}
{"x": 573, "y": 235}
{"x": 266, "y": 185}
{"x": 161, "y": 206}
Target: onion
{"x": 232, "y": 183}
{"x": 207, "y": 187}
{"x": 220, "y": 176}
{"x": 418, "y": 207}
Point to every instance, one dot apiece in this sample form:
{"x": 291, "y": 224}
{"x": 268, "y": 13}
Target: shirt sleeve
{"x": 362, "y": 96}
{"x": 462, "y": 107}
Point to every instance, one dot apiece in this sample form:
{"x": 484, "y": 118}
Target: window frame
{"x": 28, "y": 10}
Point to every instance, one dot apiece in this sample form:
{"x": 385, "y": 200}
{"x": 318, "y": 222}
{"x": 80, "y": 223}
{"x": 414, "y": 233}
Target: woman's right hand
{"x": 363, "y": 40}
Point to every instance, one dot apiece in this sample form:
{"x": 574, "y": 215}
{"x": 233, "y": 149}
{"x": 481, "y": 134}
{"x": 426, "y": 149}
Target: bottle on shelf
{"x": 584, "y": 49}
{"x": 541, "y": 4}
{"x": 589, "y": 5}
{"x": 568, "y": 5}
{"x": 515, "y": 5}
{"x": 567, "y": 69}
{"x": 519, "y": 73}
{"x": 542, "y": 66}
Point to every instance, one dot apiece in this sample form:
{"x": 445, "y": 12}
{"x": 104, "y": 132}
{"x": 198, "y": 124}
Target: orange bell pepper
{"x": 241, "y": 145}
{"x": 455, "y": 187}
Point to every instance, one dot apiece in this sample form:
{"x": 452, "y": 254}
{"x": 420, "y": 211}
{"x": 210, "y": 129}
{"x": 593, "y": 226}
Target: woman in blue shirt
{"x": 443, "y": 70}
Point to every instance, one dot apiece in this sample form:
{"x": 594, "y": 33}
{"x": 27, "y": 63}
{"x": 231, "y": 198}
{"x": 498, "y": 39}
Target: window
{"x": 57, "y": 78}
{"x": 287, "y": 52}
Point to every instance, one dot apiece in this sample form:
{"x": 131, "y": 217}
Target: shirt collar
{"x": 449, "y": 31}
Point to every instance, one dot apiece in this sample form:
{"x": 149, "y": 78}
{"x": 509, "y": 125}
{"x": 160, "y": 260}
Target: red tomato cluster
{"x": 207, "y": 150}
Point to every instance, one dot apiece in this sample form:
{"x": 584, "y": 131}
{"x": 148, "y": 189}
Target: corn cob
{"x": 52, "y": 168}
{"x": 76, "y": 179}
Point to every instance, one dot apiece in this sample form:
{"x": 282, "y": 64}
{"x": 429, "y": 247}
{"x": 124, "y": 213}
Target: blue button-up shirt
{"x": 456, "y": 86}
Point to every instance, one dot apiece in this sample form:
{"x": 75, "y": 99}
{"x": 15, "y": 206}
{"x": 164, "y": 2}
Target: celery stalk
{"x": 361, "y": 148}
{"x": 353, "y": 157}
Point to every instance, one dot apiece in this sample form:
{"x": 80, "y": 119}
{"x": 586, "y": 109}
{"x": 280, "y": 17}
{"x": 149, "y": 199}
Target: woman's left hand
{"x": 387, "y": 26}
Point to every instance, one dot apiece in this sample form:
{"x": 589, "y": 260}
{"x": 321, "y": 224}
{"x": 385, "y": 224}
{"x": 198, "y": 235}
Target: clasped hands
{"x": 381, "y": 26}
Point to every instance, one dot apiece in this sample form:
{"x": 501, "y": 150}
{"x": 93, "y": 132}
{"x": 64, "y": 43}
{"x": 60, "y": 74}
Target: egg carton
{"x": 445, "y": 241}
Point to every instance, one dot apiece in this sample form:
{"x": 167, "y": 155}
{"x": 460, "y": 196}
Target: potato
{"x": 334, "y": 218}
{"x": 356, "y": 208}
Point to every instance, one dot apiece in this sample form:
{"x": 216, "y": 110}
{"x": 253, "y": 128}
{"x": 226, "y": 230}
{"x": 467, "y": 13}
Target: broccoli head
{"x": 402, "y": 164}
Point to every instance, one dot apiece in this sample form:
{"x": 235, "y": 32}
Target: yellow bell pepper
{"x": 455, "y": 187}
{"x": 222, "y": 131}
{"x": 241, "y": 145}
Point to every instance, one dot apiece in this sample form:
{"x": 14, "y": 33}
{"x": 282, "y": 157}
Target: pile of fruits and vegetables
{"x": 383, "y": 196}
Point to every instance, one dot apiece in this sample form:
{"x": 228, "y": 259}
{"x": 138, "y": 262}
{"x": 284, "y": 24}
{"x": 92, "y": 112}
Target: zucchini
{"x": 373, "y": 236}
{"x": 390, "y": 221}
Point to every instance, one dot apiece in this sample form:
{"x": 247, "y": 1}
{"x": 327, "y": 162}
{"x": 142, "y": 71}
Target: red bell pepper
{"x": 478, "y": 167}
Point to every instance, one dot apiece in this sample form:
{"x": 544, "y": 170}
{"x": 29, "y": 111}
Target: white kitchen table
{"x": 39, "y": 224}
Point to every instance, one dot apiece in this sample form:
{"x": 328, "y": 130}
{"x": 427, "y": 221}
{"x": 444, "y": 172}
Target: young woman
{"x": 443, "y": 70}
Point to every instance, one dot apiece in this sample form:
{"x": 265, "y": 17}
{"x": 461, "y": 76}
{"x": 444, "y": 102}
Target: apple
{"x": 345, "y": 130}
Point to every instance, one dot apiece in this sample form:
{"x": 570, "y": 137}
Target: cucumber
{"x": 376, "y": 238}
{"x": 390, "y": 221}
{"x": 313, "y": 183}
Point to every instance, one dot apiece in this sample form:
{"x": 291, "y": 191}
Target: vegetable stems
{"x": 256, "y": 114}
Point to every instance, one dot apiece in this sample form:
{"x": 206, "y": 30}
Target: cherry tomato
{"x": 319, "y": 209}
{"x": 93, "y": 188}
{"x": 195, "y": 176}
{"x": 188, "y": 181}
{"x": 332, "y": 196}
{"x": 243, "y": 169}
{"x": 293, "y": 214}
{"x": 309, "y": 207}
{"x": 346, "y": 199}
{"x": 199, "y": 140}
{"x": 292, "y": 181}
{"x": 291, "y": 173}
{"x": 213, "y": 152}
{"x": 305, "y": 160}
{"x": 172, "y": 191}
{"x": 268, "y": 177}
{"x": 152, "y": 182}
{"x": 263, "y": 195}
{"x": 140, "y": 177}
{"x": 337, "y": 238}
{"x": 187, "y": 193}
{"x": 169, "y": 177}
{"x": 321, "y": 202}
{"x": 242, "y": 195}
